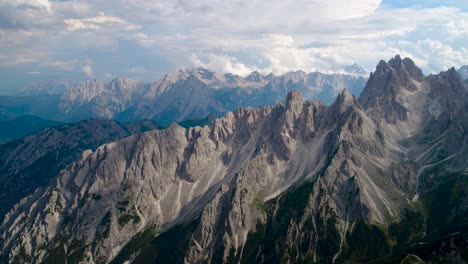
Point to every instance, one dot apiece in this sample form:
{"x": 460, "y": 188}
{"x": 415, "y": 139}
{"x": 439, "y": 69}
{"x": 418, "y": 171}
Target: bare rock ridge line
{"x": 310, "y": 176}
{"x": 185, "y": 94}
{"x": 30, "y": 163}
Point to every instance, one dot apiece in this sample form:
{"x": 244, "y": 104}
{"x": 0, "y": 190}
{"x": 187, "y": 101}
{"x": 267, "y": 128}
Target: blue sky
{"x": 140, "y": 39}
{"x": 425, "y": 4}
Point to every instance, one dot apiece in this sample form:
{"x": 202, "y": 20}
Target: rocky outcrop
{"x": 293, "y": 182}
{"x": 256, "y": 154}
{"x": 385, "y": 91}
{"x": 30, "y": 163}
{"x": 93, "y": 99}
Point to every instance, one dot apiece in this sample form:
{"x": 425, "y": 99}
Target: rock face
{"x": 185, "y": 94}
{"x": 386, "y": 89}
{"x": 355, "y": 70}
{"x": 31, "y": 162}
{"x": 197, "y": 92}
{"x": 93, "y": 99}
{"x": 293, "y": 182}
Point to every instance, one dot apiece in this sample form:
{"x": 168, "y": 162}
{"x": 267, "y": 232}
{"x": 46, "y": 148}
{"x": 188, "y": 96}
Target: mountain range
{"x": 185, "y": 94}
{"x": 30, "y": 163}
{"x": 380, "y": 178}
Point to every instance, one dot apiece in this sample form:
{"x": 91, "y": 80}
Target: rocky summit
{"x": 381, "y": 178}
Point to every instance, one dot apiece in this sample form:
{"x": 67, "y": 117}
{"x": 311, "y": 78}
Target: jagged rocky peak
{"x": 91, "y": 84}
{"x": 255, "y": 76}
{"x": 123, "y": 83}
{"x": 84, "y": 91}
{"x": 296, "y": 182}
{"x": 447, "y": 94}
{"x": 406, "y": 67}
{"x": 204, "y": 73}
{"x": 232, "y": 78}
{"x": 344, "y": 100}
{"x": 200, "y": 71}
{"x": 186, "y": 73}
{"x": 448, "y": 83}
{"x": 355, "y": 70}
{"x": 124, "y": 89}
{"x": 160, "y": 86}
{"x": 182, "y": 75}
{"x": 294, "y": 106}
{"x": 386, "y": 91}
{"x": 270, "y": 76}
{"x": 294, "y": 99}
{"x": 397, "y": 74}
{"x": 117, "y": 84}
{"x": 215, "y": 80}
{"x": 345, "y": 96}
{"x": 294, "y": 76}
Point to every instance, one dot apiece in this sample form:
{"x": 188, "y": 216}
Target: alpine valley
{"x": 378, "y": 178}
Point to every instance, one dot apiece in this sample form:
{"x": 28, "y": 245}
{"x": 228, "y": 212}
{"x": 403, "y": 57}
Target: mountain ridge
{"x": 296, "y": 181}
{"x": 184, "y": 94}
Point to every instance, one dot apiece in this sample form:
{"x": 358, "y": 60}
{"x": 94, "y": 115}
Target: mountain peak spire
{"x": 387, "y": 83}
{"x": 294, "y": 99}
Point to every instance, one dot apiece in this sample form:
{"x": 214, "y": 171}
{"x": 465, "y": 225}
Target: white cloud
{"x": 442, "y": 56}
{"x": 364, "y": 40}
{"x": 97, "y": 22}
{"x": 222, "y": 64}
{"x": 458, "y": 27}
{"x": 77, "y": 24}
{"x": 227, "y": 36}
{"x": 17, "y": 14}
{"x": 248, "y": 15}
{"x": 87, "y": 70}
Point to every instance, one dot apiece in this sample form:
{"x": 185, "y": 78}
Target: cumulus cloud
{"x": 227, "y": 36}
{"x": 442, "y": 56}
{"x": 244, "y": 15}
{"x": 222, "y": 64}
{"x": 21, "y": 14}
{"x": 87, "y": 70}
{"x": 363, "y": 40}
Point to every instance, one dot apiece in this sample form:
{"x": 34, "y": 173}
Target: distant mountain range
{"x": 379, "y": 178}
{"x": 185, "y": 94}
